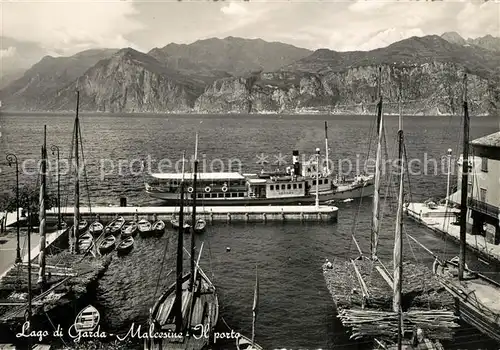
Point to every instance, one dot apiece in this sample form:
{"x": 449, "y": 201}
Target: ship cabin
{"x": 282, "y": 187}
{"x": 208, "y": 185}
{"x": 309, "y": 172}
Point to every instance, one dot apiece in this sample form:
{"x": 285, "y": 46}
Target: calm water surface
{"x": 295, "y": 308}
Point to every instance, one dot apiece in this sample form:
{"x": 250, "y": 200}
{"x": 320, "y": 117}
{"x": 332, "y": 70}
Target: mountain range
{"x": 251, "y": 75}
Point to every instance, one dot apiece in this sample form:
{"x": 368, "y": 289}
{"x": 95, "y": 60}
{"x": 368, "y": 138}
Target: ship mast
{"x": 178, "y": 286}
{"x": 255, "y": 304}
{"x": 398, "y": 241}
{"x": 378, "y": 160}
{"x": 42, "y": 217}
{"x": 193, "y": 223}
{"x": 326, "y": 150}
{"x": 76, "y": 211}
{"x": 465, "y": 181}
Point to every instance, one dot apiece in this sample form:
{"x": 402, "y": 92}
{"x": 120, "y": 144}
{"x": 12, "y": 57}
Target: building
{"x": 484, "y": 187}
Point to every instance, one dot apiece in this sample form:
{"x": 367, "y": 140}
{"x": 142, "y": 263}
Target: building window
{"x": 240, "y": 194}
{"x": 294, "y": 186}
{"x": 282, "y": 187}
{"x": 314, "y": 183}
{"x": 288, "y": 187}
{"x": 484, "y": 164}
{"x": 300, "y": 185}
{"x": 321, "y": 182}
{"x": 271, "y": 187}
{"x": 326, "y": 181}
{"x": 482, "y": 194}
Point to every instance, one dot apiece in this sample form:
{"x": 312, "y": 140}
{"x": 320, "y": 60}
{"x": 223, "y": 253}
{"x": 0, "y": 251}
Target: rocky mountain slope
{"x": 237, "y": 56}
{"x": 242, "y": 75}
{"x": 487, "y": 42}
{"x": 41, "y": 82}
{"x": 427, "y": 70}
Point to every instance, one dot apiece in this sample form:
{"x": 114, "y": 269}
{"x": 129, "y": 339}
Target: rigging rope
{"x": 161, "y": 268}
{"x": 356, "y": 215}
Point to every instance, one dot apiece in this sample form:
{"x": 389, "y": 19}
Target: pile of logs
{"x": 420, "y": 288}
{"x": 436, "y": 324}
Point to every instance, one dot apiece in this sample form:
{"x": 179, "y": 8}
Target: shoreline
{"x": 439, "y": 221}
{"x": 217, "y": 114}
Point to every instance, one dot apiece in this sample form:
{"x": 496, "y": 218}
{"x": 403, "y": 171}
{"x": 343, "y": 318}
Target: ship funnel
{"x": 296, "y": 164}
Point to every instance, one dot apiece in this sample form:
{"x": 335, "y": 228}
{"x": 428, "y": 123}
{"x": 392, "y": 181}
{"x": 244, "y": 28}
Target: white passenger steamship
{"x": 295, "y": 186}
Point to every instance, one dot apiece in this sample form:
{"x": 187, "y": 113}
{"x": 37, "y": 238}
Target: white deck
{"x": 436, "y": 220}
{"x": 200, "y": 176}
{"x": 270, "y": 209}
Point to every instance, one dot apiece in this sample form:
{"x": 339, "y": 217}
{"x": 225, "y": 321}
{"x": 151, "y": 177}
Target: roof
{"x": 257, "y": 181}
{"x": 492, "y": 140}
{"x": 201, "y": 176}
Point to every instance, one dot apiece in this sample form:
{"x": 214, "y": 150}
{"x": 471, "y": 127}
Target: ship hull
{"x": 344, "y": 192}
{"x": 471, "y": 309}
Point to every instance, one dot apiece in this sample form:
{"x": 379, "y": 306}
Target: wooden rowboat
{"x": 144, "y": 227}
{"x": 82, "y": 226}
{"x": 200, "y": 225}
{"x": 125, "y": 245}
{"x": 115, "y": 226}
{"x": 243, "y": 343}
{"x": 159, "y": 227}
{"x": 107, "y": 244}
{"x": 85, "y": 241}
{"x": 87, "y": 320}
{"x": 175, "y": 225}
{"x": 96, "y": 228}
{"x": 129, "y": 229}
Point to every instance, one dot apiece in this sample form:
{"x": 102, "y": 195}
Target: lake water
{"x": 295, "y": 308}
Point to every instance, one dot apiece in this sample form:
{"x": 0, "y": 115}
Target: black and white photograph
{"x": 249, "y": 174}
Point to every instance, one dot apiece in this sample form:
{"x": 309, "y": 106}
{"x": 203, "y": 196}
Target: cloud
{"x": 70, "y": 26}
{"x": 367, "y": 6}
{"x": 234, "y": 9}
{"x": 8, "y": 52}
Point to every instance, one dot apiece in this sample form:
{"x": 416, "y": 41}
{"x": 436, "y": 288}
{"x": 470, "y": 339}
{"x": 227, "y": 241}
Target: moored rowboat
{"x": 125, "y": 245}
{"x": 87, "y": 320}
{"x": 243, "y": 343}
{"x": 129, "y": 229}
{"x": 96, "y": 228}
{"x": 85, "y": 241}
{"x": 144, "y": 227}
{"x": 107, "y": 244}
{"x": 115, "y": 226}
{"x": 200, "y": 225}
{"x": 159, "y": 227}
{"x": 175, "y": 225}
{"x": 82, "y": 226}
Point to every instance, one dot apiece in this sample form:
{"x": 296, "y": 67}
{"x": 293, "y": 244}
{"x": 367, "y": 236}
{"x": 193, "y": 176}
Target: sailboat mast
{"x": 180, "y": 241}
{"x": 378, "y": 160}
{"x": 76, "y": 212}
{"x": 398, "y": 241}
{"x": 465, "y": 182}
{"x": 326, "y": 150}
{"x": 42, "y": 226}
{"x": 255, "y": 304}
{"x": 193, "y": 220}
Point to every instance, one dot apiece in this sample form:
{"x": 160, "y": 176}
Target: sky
{"x": 64, "y": 27}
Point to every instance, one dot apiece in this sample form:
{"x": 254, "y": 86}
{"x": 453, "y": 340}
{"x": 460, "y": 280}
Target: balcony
{"x": 483, "y": 208}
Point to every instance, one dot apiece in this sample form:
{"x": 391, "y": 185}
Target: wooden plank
{"x": 387, "y": 278}
{"x": 198, "y": 312}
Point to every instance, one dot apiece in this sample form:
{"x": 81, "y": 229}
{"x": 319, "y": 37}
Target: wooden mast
{"x": 193, "y": 220}
{"x": 76, "y": 212}
{"x": 376, "y": 194}
{"x": 178, "y": 286}
{"x": 42, "y": 217}
{"x": 465, "y": 182}
{"x": 255, "y": 304}
{"x": 326, "y": 150}
{"x": 398, "y": 241}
